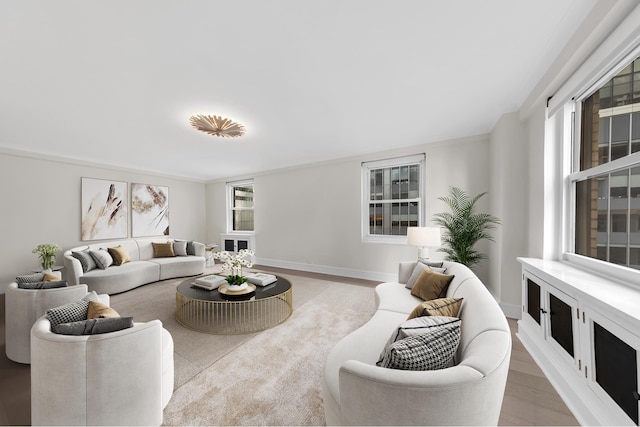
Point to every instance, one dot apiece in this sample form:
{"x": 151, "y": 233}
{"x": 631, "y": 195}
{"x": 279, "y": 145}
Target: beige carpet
{"x": 269, "y": 378}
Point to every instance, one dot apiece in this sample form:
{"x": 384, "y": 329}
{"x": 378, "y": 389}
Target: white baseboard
{"x": 335, "y": 271}
{"x": 511, "y": 311}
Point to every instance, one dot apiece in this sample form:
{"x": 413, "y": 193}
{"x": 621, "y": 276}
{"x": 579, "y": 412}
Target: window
{"x": 607, "y": 179}
{"x": 392, "y": 198}
{"x": 240, "y": 206}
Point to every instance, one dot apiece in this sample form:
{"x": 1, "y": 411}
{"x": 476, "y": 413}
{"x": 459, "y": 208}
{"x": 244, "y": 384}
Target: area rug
{"x": 269, "y": 378}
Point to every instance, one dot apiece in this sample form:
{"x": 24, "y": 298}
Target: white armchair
{"x": 23, "y": 307}
{"x": 117, "y": 378}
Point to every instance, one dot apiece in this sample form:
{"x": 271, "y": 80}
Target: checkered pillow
{"x": 30, "y": 278}
{"x": 72, "y": 312}
{"x": 428, "y": 351}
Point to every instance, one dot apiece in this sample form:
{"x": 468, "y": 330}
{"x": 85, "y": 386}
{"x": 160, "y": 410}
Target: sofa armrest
{"x": 198, "y": 248}
{"x": 404, "y": 271}
{"x": 371, "y": 395}
{"x": 73, "y": 269}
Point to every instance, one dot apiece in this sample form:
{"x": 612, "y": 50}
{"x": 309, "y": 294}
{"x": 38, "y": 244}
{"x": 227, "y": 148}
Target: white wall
{"x": 309, "y": 217}
{"x": 509, "y": 202}
{"x": 40, "y": 203}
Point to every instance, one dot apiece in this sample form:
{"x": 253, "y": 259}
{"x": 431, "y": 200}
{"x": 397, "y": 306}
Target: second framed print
{"x": 149, "y": 210}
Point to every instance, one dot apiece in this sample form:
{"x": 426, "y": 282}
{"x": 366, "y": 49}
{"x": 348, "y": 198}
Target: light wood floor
{"x": 530, "y": 399}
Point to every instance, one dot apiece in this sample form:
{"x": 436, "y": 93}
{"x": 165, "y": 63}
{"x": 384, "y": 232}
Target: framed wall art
{"x": 149, "y": 210}
{"x": 104, "y": 209}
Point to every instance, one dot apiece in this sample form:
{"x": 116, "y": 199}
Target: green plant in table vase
{"x": 464, "y": 227}
{"x": 233, "y": 264}
{"x": 47, "y": 254}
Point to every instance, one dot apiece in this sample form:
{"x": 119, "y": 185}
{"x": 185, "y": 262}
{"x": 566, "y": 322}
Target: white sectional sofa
{"x": 357, "y": 392}
{"x": 142, "y": 269}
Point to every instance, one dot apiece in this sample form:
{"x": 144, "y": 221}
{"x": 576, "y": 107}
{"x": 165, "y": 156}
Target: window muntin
{"x": 240, "y": 206}
{"x": 392, "y": 198}
{"x": 607, "y": 200}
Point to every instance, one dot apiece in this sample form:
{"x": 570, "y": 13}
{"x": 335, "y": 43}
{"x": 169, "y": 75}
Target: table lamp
{"x": 423, "y": 238}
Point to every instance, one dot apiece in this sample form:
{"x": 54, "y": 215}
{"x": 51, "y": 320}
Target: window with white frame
{"x": 240, "y": 206}
{"x": 392, "y": 198}
{"x": 605, "y": 179}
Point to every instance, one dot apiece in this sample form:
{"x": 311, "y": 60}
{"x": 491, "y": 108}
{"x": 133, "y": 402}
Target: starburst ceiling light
{"x": 216, "y": 125}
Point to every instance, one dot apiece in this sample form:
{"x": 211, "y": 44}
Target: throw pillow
{"x": 85, "y": 259}
{"x": 180, "y": 248}
{"x": 98, "y": 310}
{"x": 48, "y": 277}
{"x": 30, "y": 278}
{"x": 161, "y": 250}
{"x": 119, "y": 255}
{"x": 102, "y": 258}
{"x": 431, "y": 285}
{"x": 437, "y": 307}
{"x": 432, "y": 264}
{"x": 95, "y": 326}
{"x": 191, "y": 249}
{"x": 44, "y": 285}
{"x": 428, "y": 351}
{"x": 417, "y": 271}
{"x": 71, "y": 312}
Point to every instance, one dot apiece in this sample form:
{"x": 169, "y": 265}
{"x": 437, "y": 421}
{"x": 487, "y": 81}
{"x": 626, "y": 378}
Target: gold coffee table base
{"x": 233, "y": 317}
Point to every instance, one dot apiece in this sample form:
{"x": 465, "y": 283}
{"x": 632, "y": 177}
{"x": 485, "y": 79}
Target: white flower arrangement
{"x": 234, "y": 263}
{"x": 47, "y": 253}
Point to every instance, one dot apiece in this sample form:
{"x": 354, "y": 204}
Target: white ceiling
{"x": 114, "y": 82}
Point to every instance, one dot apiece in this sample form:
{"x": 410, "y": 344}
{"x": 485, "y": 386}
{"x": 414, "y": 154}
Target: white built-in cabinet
{"x": 583, "y": 331}
{"x": 236, "y": 242}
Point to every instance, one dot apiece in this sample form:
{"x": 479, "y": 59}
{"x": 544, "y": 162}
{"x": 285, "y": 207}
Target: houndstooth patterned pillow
{"x": 72, "y": 312}
{"x": 30, "y": 278}
{"x": 428, "y": 351}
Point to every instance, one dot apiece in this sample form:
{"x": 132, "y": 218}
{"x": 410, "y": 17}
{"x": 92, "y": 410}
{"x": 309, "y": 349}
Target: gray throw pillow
{"x": 432, "y": 264}
{"x": 191, "y": 250}
{"x": 85, "y": 259}
{"x": 30, "y": 278}
{"x": 71, "y": 312}
{"x": 94, "y": 326}
{"x": 180, "y": 248}
{"x": 428, "y": 351}
{"x": 417, "y": 270}
{"x": 102, "y": 258}
{"x": 44, "y": 285}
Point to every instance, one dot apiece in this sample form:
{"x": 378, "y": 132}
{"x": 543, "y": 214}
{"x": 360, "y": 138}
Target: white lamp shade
{"x": 423, "y": 236}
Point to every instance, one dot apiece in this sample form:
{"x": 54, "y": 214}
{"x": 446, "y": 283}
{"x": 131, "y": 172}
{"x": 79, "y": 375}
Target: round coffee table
{"x": 214, "y": 313}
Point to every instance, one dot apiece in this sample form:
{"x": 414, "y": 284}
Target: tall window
{"x": 392, "y": 198}
{"x": 240, "y": 206}
{"x": 607, "y": 179}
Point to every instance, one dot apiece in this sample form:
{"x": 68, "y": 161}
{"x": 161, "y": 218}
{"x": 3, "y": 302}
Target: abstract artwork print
{"x": 104, "y": 209}
{"x": 149, "y": 210}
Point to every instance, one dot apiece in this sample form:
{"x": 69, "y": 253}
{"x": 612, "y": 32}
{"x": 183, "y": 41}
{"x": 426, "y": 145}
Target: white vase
{"x": 235, "y": 288}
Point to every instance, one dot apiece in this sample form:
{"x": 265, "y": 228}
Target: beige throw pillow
{"x": 119, "y": 255}
{"x": 431, "y": 285}
{"x": 438, "y": 307}
{"x": 99, "y": 310}
{"x": 161, "y": 250}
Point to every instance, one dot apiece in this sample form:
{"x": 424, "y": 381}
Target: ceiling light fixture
{"x": 216, "y": 125}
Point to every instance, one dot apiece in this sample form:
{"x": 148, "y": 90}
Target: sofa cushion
{"x": 430, "y": 350}
{"x": 102, "y": 258}
{"x": 86, "y": 261}
{"x": 94, "y": 326}
{"x": 161, "y": 250}
{"x": 124, "y": 277}
{"x": 71, "y": 312}
{"x": 44, "y": 285}
{"x": 98, "y": 310}
{"x": 120, "y": 255}
{"x": 180, "y": 248}
{"x": 437, "y": 307}
{"x": 171, "y": 267}
{"x": 431, "y": 285}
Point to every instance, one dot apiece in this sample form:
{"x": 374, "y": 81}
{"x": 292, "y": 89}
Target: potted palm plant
{"x": 464, "y": 227}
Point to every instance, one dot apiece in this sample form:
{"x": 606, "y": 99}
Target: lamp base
{"x": 423, "y": 253}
